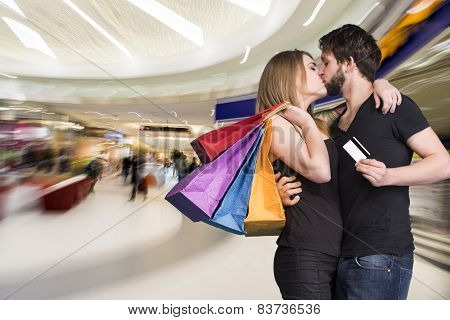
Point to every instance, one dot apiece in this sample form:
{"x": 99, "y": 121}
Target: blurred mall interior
{"x": 100, "y": 98}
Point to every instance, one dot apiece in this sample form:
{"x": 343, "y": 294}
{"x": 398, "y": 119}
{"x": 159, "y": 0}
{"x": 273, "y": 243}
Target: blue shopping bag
{"x": 231, "y": 213}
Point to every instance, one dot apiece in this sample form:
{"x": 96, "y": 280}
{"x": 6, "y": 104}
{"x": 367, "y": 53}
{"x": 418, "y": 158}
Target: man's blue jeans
{"x": 376, "y": 277}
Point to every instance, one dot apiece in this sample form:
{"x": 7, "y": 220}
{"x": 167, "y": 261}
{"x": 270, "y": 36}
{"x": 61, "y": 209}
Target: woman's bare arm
{"x": 308, "y": 155}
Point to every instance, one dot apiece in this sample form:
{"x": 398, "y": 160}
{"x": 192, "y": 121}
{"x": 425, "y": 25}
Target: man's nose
{"x": 321, "y": 70}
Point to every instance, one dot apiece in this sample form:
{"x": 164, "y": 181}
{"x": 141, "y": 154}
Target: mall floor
{"x": 110, "y": 248}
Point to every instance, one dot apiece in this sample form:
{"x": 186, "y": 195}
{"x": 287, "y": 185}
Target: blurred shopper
{"x": 134, "y": 177}
{"x": 46, "y": 159}
{"x": 30, "y": 157}
{"x": 194, "y": 165}
{"x": 94, "y": 170}
{"x": 147, "y": 179}
{"x": 377, "y": 250}
{"x": 126, "y": 166}
{"x": 138, "y": 175}
{"x": 180, "y": 164}
{"x": 64, "y": 160}
{"x": 167, "y": 165}
{"x": 174, "y": 169}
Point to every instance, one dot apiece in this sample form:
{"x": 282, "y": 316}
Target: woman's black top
{"x": 315, "y": 222}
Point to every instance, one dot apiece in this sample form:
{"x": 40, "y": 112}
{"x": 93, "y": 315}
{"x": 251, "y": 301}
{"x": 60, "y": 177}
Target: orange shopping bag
{"x": 265, "y": 213}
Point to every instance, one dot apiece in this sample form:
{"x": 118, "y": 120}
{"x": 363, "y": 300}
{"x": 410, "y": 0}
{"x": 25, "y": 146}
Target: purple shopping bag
{"x": 233, "y": 208}
{"x": 198, "y": 195}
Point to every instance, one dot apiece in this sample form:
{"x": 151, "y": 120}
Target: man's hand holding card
{"x": 374, "y": 171}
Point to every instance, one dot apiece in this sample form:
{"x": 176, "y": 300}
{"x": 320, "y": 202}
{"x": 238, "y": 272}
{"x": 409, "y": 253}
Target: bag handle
{"x": 283, "y": 106}
{"x": 295, "y": 127}
{"x": 278, "y": 110}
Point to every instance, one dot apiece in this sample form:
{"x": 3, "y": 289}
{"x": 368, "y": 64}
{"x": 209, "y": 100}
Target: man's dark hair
{"x": 353, "y": 41}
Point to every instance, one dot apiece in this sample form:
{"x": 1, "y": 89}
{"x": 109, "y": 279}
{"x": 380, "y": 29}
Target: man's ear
{"x": 350, "y": 65}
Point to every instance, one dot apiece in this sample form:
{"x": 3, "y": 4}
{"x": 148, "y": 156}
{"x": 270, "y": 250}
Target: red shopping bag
{"x": 212, "y": 144}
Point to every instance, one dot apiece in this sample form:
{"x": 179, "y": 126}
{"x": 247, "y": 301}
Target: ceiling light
{"x": 259, "y": 7}
{"x": 171, "y": 19}
{"x": 247, "y": 51}
{"x": 98, "y": 27}
{"x": 174, "y": 113}
{"x": 212, "y": 112}
{"x": 149, "y": 120}
{"x": 94, "y": 112}
{"x": 315, "y": 12}
{"x": 29, "y": 38}
{"x": 368, "y": 12}
{"x": 7, "y": 75}
{"x": 13, "y": 6}
{"x": 135, "y": 114}
{"x": 18, "y": 108}
{"x": 108, "y": 117}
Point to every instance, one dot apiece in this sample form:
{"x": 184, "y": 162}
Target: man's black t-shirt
{"x": 376, "y": 219}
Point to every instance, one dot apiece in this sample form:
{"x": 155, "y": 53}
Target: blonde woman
{"x": 309, "y": 247}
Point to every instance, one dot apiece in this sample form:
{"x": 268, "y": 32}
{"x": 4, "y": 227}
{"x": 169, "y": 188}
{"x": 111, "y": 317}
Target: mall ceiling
{"x": 121, "y": 63}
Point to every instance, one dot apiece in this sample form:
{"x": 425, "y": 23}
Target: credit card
{"x": 356, "y": 150}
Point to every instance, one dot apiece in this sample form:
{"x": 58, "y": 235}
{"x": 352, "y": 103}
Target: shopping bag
{"x": 233, "y": 208}
{"x": 265, "y": 210}
{"x": 198, "y": 194}
{"x": 213, "y": 143}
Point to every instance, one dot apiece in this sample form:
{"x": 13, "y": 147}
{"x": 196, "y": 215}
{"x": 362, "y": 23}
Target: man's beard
{"x": 334, "y": 86}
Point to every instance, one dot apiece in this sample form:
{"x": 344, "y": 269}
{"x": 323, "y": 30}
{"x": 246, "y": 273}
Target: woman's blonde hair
{"x": 278, "y": 82}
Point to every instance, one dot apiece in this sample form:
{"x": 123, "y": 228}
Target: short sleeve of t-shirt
{"x": 409, "y": 119}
